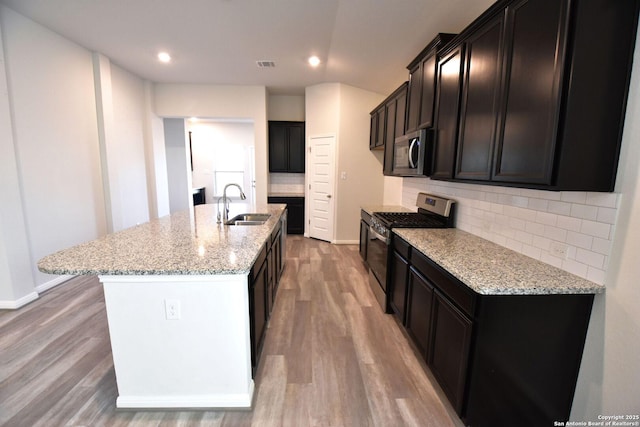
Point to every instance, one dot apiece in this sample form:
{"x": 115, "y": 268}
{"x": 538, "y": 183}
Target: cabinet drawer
{"x": 463, "y": 297}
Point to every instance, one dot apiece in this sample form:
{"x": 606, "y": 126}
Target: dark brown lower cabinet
{"x": 500, "y": 359}
{"x": 419, "y": 311}
{"x": 398, "y": 288}
{"x": 258, "y": 287}
{"x": 527, "y": 354}
{"x": 449, "y": 355}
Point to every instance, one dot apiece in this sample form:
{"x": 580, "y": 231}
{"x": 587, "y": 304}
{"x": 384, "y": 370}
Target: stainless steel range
{"x": 433, "y": 212}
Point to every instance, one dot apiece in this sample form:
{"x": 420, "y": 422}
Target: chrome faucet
{"x": 226, "y": 201}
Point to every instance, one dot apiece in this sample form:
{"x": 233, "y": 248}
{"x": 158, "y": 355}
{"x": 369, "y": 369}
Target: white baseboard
{"x": 221, "y": 401}
{"x": 53, "y": 283}
{"x": 32, "y": 296}
{"x": 16, "y": 304}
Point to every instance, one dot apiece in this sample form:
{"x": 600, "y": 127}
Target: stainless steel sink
{"x": 249, "y": 219}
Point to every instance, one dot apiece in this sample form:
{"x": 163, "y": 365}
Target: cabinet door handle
{"x": 328, "y": 196}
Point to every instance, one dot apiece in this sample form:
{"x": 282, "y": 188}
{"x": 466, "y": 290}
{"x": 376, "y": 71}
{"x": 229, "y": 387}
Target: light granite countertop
{"x": 180, "y": 243}
{"x": 286, "y": 195}
{"x": 490, "y": 269}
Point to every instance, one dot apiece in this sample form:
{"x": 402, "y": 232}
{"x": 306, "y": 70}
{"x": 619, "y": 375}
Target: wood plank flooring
{"x": 330, "y": 358}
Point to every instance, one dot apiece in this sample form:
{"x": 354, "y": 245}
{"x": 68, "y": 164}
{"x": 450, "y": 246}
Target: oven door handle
{"x": 376, "y": 235}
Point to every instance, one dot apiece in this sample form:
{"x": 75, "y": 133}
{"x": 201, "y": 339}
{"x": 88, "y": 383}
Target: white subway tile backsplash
{"x": 605, "y": 200}
{"x": 531, "y": 251}
{"x": 584, "y": 211}
{"x": 535, "y": 228}
{"x": 596, "y": 229}
{"x": 538, "y": 204}
{"x": 555, "y": 233}
{"x": 560, "y": 208}
{"x": 527, "y": 221}
{"x": 590, "y": 258}
{"x": 579, "y": 240}
{"x": 546, "y": 218}
{"x": 607, "y": 215}
{"x": 601, "y": 246}
{"x": 595, "y": 275}
{"x": 574, "y": 196}
{"x": 574, "y": 267}
{"x": 569, "y": 223}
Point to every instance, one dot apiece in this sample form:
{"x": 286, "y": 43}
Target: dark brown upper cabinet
{"x": 377, "y": 135}
{"x": 544, "y": 92}
{"x": 286, "y": 147}
{"x": 422, "y": 84}
{"x": 396, "y": 106}
{"x": 447, "y": 106}
{"x": 480, "y": 100}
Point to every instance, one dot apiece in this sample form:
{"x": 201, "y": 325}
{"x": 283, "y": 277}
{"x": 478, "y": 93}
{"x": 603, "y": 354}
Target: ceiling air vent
{"x": 265, "y": 64}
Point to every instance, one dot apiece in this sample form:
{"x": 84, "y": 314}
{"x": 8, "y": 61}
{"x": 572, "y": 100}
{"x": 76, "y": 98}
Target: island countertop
{"x": 177, "y": 244}
{"x": 490, "y": 269}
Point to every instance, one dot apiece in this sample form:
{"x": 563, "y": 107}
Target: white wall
{"x": 286, "y": 108}
{"x": 73, "y": 137}
{"x": 178, "y": 165}
{"x": 52, "y": 101}
{"x": 16, "y": 275}
{"x": 222, "y": 102}
{"x": 359, "y": 170}
{"x": 122, "y": 119}
{"x": 342, "y": 110}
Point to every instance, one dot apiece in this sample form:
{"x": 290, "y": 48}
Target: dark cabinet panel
{"x": 364, "y": 239}
{"x": 295, "y": 212}
{"x": 419, "y": 306}
{"x": 534, "y": 51}
{"x": 526, "y": 359}
{"x": 278, "y": 148}
{"x": 258, "y": 287}
{"x": 296, "y": 148}
{"x": 446, "y": 123}
{"x": 414, "y": 99}
{"x": 399, "y": 275}
{"x": 286, "y": 147}
{"x": 395, "y": 107}
{"x": 428, "y": 96}
{"x": 449, "y": 354}
{"x": 422, "y": 85}
{"x": 480, "y": 101}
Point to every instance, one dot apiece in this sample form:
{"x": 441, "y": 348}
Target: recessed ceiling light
{"x": 314, "y": 61}
{"x": 164, "y": 57}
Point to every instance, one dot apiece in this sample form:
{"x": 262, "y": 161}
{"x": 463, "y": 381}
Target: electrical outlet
{"x": 343, "y": 175}
{"x": 172, "y": 309}
{"x": 559, "y": 250}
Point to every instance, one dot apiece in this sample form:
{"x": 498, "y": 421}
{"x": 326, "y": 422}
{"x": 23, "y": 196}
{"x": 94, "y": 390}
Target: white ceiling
{"x": 363, "y": 43}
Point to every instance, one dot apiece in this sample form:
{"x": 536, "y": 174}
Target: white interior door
{"x": 321, "y": 187}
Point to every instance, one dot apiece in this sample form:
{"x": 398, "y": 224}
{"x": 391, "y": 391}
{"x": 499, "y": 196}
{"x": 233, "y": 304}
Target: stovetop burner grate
{"x": 410, "y": 220}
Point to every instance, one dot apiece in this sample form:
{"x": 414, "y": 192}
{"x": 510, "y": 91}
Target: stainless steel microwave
{"x": 412, "y": 154}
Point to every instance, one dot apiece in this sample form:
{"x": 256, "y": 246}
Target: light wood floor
{"x": 331, "y": 357}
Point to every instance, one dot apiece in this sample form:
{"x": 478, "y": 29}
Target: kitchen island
{"x": 177, "y": 295}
